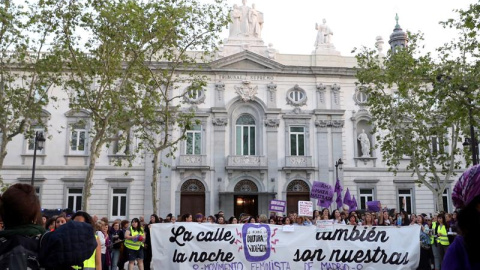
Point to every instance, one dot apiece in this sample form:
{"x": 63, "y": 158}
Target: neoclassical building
{"x": 270, "y": 125}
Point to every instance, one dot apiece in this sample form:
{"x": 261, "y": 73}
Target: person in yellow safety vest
{"x": 95, "y": 261}
{"x": 134, "y": 239}
{"x": 441, "y": 242}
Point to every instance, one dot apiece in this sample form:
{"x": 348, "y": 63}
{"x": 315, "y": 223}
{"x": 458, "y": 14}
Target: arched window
{"x": 245, "y": 135}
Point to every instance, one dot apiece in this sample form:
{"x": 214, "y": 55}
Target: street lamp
{"x": 338, "y": 163}
{"x": 37, "y": 144}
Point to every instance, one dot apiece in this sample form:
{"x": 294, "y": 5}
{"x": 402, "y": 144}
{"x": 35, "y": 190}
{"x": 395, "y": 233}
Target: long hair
{"x": 19, "y": 205}
{"x": 86, "y": 216}
{"x": 157, "y": 220}
{"x": 139, "y": 226}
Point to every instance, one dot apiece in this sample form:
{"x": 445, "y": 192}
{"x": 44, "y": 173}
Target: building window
{"x": 296, "y": 96}
{"x": 245, "y": 135}
{"x": 297, "y": 141}
{"x": 119, "y": 203}
{"x": 74, "y": 199}
{"x": 193, "y": 144}
{"x": 194, "y": 95}
{"x": 78, "y": 139}
{"x": 445, "y": 201}
{"x": 31, "y": 140}
{"x": 366, "y": 195}
{"x": 405, "y": 200}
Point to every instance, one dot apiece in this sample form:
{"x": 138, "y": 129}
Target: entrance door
{"x": 297, "y": 190}
{"x": 192, "y": 198}
{"x": 245, "y": 204}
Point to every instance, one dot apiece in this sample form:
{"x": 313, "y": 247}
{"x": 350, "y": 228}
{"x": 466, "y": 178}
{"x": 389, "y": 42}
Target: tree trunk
{"x": 156, "y": 171}
{"x": 438, "y": 196}
{"x": 94, "y": 149}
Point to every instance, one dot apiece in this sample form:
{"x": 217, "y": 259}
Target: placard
{"x": 324, "y": 225}
{"x": 305, "y": 208}
{"x": 277, "y": 206}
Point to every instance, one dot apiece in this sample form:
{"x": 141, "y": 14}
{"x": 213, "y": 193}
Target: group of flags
{"x": 348, "y": 200}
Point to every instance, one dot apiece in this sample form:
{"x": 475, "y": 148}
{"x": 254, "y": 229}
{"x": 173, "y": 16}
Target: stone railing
{"x": 192, "y": 161}
{"x": 298, "y": 161}
{"x": 259, "y": 162}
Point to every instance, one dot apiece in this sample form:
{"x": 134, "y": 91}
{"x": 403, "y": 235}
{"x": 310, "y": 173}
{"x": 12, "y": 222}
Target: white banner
{"x": 268, "y": 247}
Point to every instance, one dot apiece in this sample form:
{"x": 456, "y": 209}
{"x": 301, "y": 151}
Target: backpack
{"x": 19, "y": 252}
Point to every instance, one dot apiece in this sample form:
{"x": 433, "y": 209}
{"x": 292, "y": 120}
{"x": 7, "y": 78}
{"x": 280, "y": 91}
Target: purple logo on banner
{"x": 277, "y": 206}
{"x": 322, "y": 191}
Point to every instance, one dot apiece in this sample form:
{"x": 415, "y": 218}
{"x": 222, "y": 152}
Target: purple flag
{"x": 338, "y": 190}
{"x": 338, "y": 187}
{"x": 374, "y": 206}
{"x": 347, "y": 199}
{"x": 353, "y": 205}
{"x": 323, "y": 203}
{"x": 339, "y": 200}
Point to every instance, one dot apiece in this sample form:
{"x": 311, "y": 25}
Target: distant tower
{"x": 398, "y": 38}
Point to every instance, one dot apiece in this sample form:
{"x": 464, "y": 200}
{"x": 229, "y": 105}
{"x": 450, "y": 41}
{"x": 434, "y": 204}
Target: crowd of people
{"x": 80, "y": 241}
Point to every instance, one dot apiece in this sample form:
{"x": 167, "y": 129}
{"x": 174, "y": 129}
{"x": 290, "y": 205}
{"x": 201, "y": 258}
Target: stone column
{"x": 271, "y": 125}
{"x": 322, "y": 148}
{"x": 219, "y": 159}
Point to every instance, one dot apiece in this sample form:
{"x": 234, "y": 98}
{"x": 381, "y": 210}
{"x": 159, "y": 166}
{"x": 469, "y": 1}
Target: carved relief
{"x": 296, "y": 96}
{"x": 246, "y": 91}
{"x": 245, "y": 160}
{"x": 322, "y": 123}
{"x": 336, "y": 93}
{"x": 272, "y": 88}
{"x": 321, "y": 89}
{"x": 337, "y": 123}
{"x": 298, "y": 161}
{"x": 219, "y": 121}
{"x": 220, "y": 88}
{"x": 329, "y": 123}
{"x": 272, "y": 122}
{"x": 192, "y": 159}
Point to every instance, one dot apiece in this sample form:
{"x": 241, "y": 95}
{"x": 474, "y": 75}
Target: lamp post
{"x": 37, "y": 144}
{"x": 338, "y": 163}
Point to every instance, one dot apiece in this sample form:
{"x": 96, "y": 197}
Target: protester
{"x": 134, "y": 238}
{"x": 20, "y": 212}
{"x": 117, "y": 236}
{"x": 148, "y": 241}
{"x": 60, "y": 220}
{"x": 95, "y": 260}
{"x": 232, "y": 220}
{"x": 102, "y": 234}
{"x": 463, "y": 253}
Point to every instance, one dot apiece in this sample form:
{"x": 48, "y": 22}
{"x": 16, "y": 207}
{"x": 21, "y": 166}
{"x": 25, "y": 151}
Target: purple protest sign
{"x": 321, "y": 191}
{"x": 374, "y": 206}
{"x": 277, "y": 206}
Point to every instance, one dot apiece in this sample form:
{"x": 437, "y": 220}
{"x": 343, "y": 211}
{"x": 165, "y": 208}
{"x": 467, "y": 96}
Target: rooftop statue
{"x": 246, "y": 21}
{"x": 324, "y": 35}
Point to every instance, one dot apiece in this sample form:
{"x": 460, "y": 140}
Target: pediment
{"x": 246, "y": 60}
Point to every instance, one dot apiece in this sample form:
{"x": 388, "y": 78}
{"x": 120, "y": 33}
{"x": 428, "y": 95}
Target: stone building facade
{"x": 270, "y": 125}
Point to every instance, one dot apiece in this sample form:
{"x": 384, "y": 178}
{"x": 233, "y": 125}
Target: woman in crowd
{"x": 316, "y": 215}
{"x": 425, "y": 247}
{"x": 232, "y": 220}
{"x": 148, "y": 241}
{"x": 221, "y": 220}
{"x": 125, "y": 224}
{"x": 187, "y": 217}
{"x": 368, "y": 219}
{"x": 252, "y": 220}
{"x": 102, "y": 234}
{"x": 337, "y": 217}
{"x": 211, "y": 219}
{"x": 60, "y": 220}
{"x": 384, "y": 219}
{"x": 287, "y": 221}
{"x": 199, "y": 217}
{"x": 117, "y": 236}
{"x": 440, "y": 243}
{"x": 352, "y": 219}
{"x": 134, "y": 238}
{"x": 463, "y": 253}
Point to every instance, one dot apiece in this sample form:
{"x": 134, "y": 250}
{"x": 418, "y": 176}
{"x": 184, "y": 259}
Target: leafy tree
{"x": 413, "y": 115}
{"x": 121, "y": 59}
{"x": 27, "y": 70}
